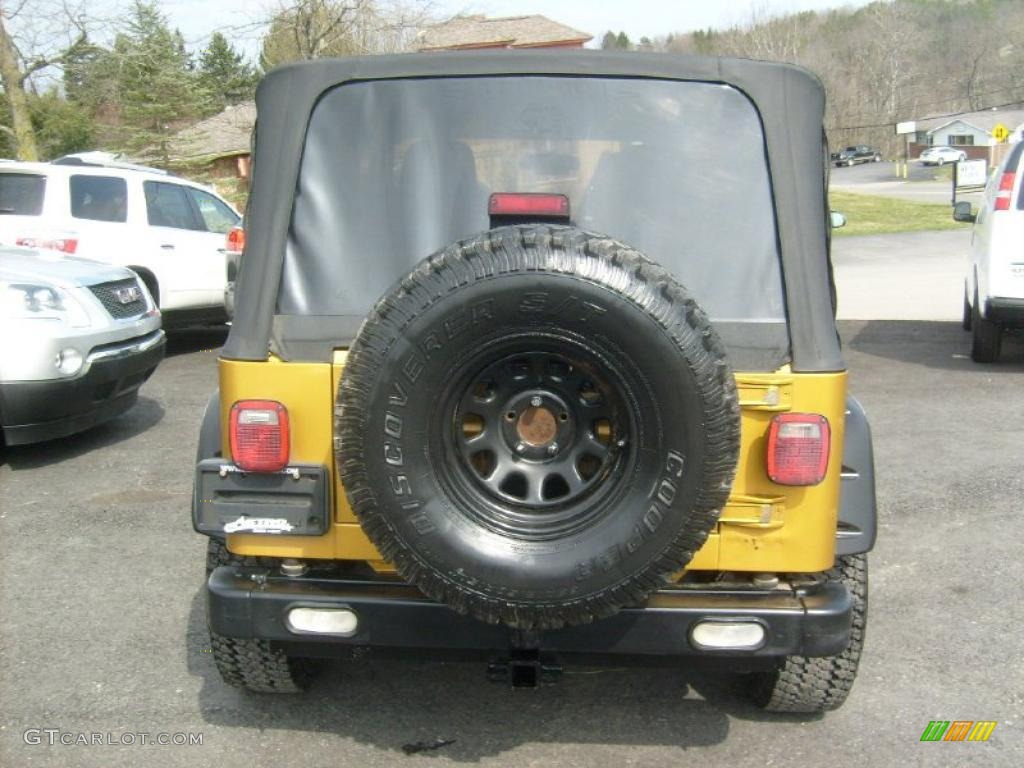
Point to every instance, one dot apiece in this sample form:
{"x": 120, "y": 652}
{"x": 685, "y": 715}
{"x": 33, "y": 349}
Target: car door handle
{"x": 168, "y": 246}
{"x": 222, "y": 250}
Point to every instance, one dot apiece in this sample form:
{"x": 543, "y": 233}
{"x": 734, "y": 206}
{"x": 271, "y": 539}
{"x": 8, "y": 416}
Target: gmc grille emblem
{"x": 128, "y": 295}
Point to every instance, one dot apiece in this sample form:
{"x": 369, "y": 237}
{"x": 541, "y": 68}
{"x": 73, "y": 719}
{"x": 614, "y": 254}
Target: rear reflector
{"x": 798, "y": 448}
{"x": 259, "y": 435}
{"x": 527, "y": 204}
{"x": 236, "y": 240}
{"x": 62, "y": 244}
{"x": 1005, "y": 191}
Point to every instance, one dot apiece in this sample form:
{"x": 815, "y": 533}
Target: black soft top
{"x": 789, "y": 99}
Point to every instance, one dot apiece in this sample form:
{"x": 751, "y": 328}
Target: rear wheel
{"x": 820, "y": 684}
{"x": 247, "y": 662}
{"x": 986, "y": 336}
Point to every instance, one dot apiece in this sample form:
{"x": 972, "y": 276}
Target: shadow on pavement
{"x": 389, "y": 701}
{"x": 142, "y": 416}
{"x": 941, "y": 345}
{"x": 181, "y": 342}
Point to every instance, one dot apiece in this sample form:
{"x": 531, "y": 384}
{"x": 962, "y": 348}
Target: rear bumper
{"x": 1005, "y": 311}
{"x": 251, "y": 603}
{"x": 45, "y": 410}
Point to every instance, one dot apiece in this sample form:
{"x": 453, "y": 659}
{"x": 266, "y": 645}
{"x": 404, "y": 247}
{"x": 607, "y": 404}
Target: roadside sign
{"x": 971, "y": 173}
{"x": 1000, "y": 133}
{"x": 908, "y": 127}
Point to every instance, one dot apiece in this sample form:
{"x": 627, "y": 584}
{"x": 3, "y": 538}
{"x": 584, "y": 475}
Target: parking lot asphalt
{"x": 102, "y": 628}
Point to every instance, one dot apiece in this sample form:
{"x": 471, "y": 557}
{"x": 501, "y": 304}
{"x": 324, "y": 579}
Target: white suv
{"x": 994, "y": 287}
{"x": 168, "y": 230}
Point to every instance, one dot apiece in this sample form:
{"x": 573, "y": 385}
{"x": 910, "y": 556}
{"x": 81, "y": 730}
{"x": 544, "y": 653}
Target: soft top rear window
{"x": 21, "y": 194}
{"x": 394, "y": 170}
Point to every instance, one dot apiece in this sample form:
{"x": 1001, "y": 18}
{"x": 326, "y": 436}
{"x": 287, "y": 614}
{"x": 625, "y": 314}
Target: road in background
{"x": 880, "y": 179}
{"x": 905, "y": 276}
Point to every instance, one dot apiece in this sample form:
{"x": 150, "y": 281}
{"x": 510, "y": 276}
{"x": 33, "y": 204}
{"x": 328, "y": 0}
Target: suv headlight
{"x": 32, "y": 301}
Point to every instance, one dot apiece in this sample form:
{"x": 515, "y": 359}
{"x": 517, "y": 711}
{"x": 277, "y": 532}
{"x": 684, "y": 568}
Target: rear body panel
{"x": 764, "y": 527}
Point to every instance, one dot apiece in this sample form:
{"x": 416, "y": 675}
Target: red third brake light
{"x": 798, "y": 448}
{"x": 1005, "y": 191}
{"x": 527, "y": 204}
{"x": 259, "y": 435}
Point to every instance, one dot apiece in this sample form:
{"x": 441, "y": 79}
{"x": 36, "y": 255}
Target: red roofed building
{"x": 463, "y": 33}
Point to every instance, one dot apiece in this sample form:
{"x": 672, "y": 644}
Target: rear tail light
{"x": 527, "y": 204}
{"x": 1005, "y": 191}
{"x": 798, "y": 448}
{"x": 62, "y": 244}
{"x": 236, "y": 240}
{"x": 259, "y": 433}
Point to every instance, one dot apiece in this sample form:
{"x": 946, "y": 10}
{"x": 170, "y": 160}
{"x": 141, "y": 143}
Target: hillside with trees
{"x": 72, "y": 81}
{"x": 884, "y": 62}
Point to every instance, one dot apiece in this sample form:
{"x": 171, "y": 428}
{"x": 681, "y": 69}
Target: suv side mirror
{"x": 837, "y": 219}
{"x": 962, "y": 212}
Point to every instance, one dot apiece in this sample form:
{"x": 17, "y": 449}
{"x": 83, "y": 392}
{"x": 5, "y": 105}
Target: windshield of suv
{"x": 394, "y": 170}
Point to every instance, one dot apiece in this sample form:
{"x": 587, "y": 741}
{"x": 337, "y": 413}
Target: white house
{"x": 970, "y": 131}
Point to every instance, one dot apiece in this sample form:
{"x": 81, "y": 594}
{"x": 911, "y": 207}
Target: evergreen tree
{"x": 609, "y": 41}
{"x": 622, "y": 41}
{"x": 158, "y": 90}
{"x": 224, "y": 75}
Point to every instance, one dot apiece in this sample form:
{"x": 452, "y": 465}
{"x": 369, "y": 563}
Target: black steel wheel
{"x": 537, "y": 426}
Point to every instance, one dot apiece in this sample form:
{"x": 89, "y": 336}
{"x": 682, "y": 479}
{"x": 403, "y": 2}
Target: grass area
{"x": 873, "y": 215}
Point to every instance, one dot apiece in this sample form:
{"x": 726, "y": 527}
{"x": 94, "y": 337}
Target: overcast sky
{"x": 198, "y": 18}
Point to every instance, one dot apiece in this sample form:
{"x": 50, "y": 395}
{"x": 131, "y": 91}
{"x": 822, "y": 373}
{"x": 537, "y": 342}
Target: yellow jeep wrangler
{"x": 534, "y": 355}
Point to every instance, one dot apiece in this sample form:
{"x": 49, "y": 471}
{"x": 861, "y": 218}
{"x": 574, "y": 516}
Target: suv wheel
{"x": 249, "y": 663}
{"x": 537, "y": 426}
{"x": 820, "y": 684}
{"x": 986, "y": 336}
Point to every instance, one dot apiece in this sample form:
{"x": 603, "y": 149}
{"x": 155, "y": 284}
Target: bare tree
{"x": 50, "y": 33}
{"x": 310, "y": 29}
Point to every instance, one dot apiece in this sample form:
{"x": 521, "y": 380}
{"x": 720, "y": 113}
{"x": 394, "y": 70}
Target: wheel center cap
{"x": 537, "y": 426}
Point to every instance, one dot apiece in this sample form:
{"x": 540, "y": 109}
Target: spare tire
{"x": 537, "y": 426}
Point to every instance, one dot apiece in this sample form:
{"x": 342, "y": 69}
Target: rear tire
{"x": 248, "y": 662}
{"x": 820, "y": 684}
{"x": 545, "y": 318}
{"x": 986, "y": 336}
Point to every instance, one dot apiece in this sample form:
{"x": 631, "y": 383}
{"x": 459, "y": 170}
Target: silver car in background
{"x": 77, "y": 340}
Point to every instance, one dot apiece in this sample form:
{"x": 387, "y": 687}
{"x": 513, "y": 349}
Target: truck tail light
{"x": 798, "y": 448}
{"x": 62, "y": 244}
{"x": 260, "y": 440}
{"x": 236, "y": 240}
{"x": 1005, "y": 191}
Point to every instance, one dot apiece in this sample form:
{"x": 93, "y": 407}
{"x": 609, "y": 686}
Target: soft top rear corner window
{"x": 394, "y": 170}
